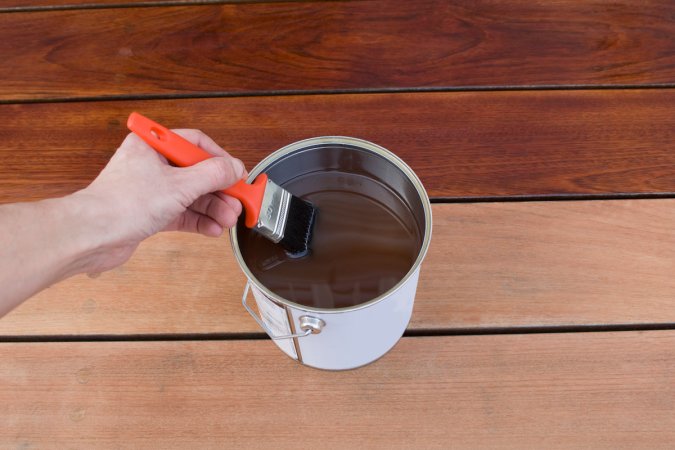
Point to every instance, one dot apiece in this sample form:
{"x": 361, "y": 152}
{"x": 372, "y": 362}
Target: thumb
{"x": 210, "y": 175}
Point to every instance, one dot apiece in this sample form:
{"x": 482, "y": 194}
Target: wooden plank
{"x": 472, "y": 144}
{"x": 239, "y": 48}
{"x": 600, "y": 390}
{"x": 550, "y": 264}
{"x": 489, "y": 265}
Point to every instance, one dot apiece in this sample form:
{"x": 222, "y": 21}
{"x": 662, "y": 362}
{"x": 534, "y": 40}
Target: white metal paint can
{"x": 348, "y": 337}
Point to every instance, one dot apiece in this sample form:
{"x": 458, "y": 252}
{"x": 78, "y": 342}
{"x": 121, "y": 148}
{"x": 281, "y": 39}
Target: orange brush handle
{"x": 184, "y": 153}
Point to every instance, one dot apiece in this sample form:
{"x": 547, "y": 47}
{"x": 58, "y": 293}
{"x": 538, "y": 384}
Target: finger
{"x": 200, "y": 139}
{"x": 194, "y": 222}
{"x": 231, "y": 201}
{"x": 217, "y": 209}
{"x": 210, "y": 175}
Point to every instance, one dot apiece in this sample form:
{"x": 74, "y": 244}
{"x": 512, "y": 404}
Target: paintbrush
{"x": 270, "y": 210}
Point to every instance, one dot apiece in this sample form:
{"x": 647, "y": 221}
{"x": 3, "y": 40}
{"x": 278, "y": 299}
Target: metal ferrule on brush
{"x": 273, "y": 212}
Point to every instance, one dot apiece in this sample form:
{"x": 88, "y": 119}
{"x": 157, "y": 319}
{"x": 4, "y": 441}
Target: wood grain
{"x": 243, "y": 48}
{"x": 462, "y": 145}
{"x": 509, "y": 265}
{"x": 602, "y": 390}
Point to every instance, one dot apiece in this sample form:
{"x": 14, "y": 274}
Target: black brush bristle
{"x": 299, "y": 223}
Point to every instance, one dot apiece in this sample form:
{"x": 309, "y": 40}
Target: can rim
{"x": 364, "y": 145}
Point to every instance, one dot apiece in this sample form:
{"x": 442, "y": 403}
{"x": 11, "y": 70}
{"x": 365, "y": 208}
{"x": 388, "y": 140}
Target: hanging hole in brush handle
{"x": 308, "y": 324}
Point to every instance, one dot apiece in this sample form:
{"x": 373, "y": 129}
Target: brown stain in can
{"x": 365, "y": 240}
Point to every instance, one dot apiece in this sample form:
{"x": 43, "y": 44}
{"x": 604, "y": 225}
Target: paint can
{"x": 334, "y": 335}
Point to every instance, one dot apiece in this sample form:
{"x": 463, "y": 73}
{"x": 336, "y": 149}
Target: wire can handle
{"x": 308, "y": 325}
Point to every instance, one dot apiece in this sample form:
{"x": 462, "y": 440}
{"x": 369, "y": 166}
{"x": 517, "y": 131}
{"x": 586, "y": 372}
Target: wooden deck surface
{"x": 568, "y": 390}
{"x": 542, "y": 131}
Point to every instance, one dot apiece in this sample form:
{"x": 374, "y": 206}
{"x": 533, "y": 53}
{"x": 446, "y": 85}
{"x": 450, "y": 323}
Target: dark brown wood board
{"x": 327, "y": 46}
{"x": 469, "y": 145}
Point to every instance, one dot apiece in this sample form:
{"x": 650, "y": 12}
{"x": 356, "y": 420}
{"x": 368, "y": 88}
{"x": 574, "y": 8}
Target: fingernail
{"x": 238, "y": 167}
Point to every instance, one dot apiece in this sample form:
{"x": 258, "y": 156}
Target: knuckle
{"x": 222, "y": 171}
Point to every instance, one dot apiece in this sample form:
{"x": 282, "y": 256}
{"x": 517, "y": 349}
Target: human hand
{"x": 139, "y": 194}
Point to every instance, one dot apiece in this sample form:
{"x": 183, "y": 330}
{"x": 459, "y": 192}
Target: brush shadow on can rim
{"x": 357, "y": 144}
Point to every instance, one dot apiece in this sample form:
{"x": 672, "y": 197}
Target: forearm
{"x": 41, "y": 243}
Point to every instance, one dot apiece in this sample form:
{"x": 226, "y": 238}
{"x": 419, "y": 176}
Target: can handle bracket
{"x": 309, "y": 325}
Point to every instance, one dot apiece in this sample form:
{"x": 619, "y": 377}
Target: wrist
{"x": 91, "y": 244}
{"x": 73, "y": 243}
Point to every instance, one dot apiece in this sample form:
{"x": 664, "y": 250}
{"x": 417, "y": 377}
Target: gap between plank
{"x": 554, "y": 197}
{"x": 409, "y": 333}
{"x": 297, "y": 92}
{"x": 146, "y": 4}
